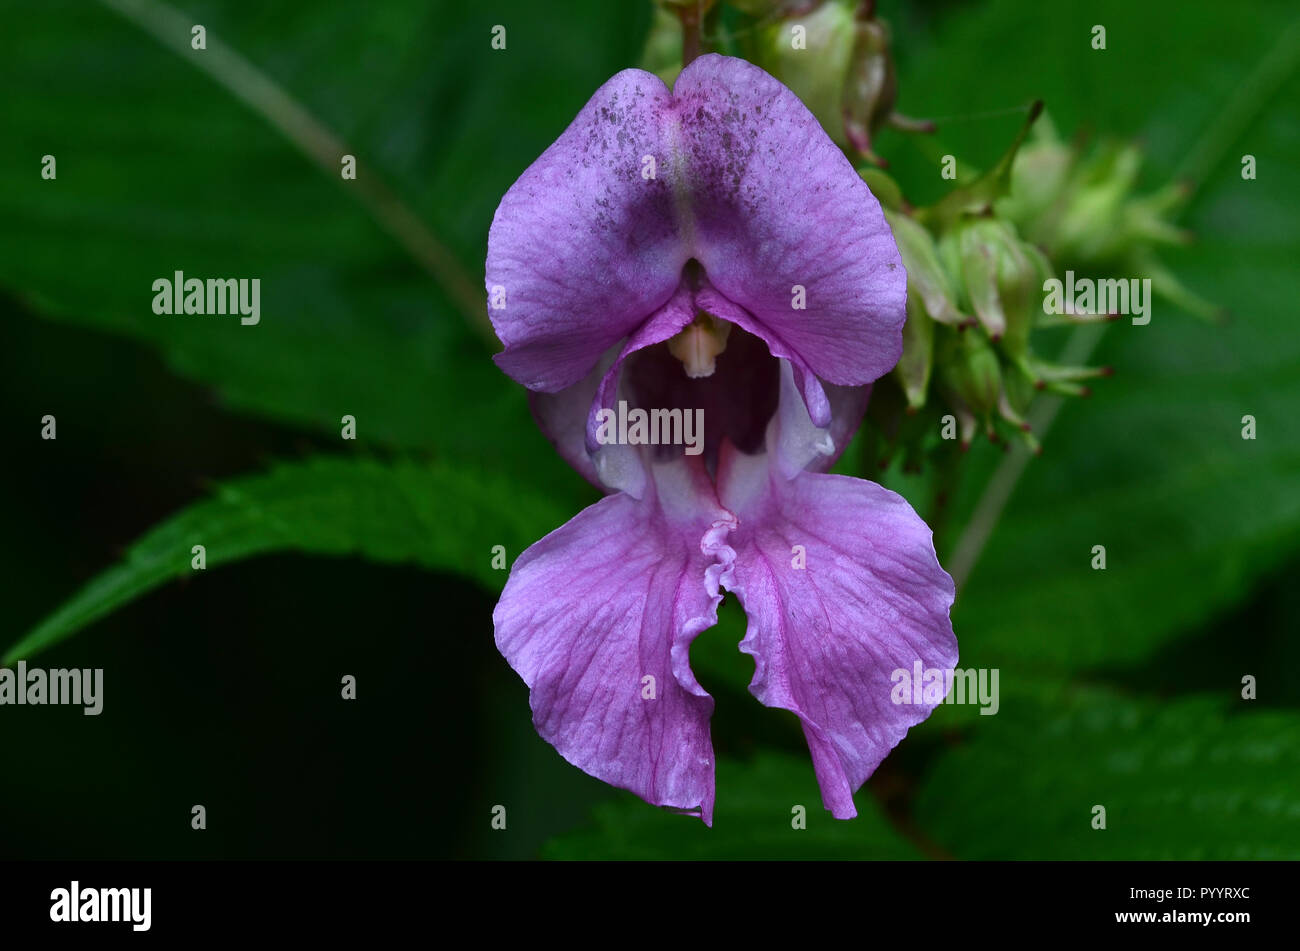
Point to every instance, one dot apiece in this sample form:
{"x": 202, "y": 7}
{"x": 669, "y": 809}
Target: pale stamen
{"x": 699, "y": 343}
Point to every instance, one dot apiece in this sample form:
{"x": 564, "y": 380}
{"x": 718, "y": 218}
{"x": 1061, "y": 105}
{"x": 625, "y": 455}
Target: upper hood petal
{"x": 776, "y": 206}
{"x": 730, "y": 169}
{"x": 583, "y": 248}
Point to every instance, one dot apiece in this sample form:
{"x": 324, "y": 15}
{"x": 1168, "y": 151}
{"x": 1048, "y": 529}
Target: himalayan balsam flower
{"x": 659, "y": 253}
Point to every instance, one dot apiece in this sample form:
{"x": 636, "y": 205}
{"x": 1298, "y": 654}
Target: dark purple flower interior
{"x": 738, "y": 399}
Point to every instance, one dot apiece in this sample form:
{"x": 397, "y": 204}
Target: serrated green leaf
{"x": 434, "y": 516}
{"x": 1192, "y": 779}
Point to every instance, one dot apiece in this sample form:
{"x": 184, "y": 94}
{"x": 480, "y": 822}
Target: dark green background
{"x": 1118, "y": 687}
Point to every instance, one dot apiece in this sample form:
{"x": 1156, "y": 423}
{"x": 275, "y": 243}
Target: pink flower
{"x": 711, "y": 249}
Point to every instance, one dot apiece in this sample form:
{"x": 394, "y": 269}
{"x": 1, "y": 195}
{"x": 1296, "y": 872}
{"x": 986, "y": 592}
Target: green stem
{"x": 1242, "y": 108}
{"x": 320, "y": 144}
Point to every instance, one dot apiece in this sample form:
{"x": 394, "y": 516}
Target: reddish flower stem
{"x": 690, "y": 17}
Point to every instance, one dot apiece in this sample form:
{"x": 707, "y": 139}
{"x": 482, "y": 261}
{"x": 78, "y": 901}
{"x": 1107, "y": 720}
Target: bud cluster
{"x": 978, "y": 263}
{"x": 1082, "y": 208}
{"x": 834, "y": 55}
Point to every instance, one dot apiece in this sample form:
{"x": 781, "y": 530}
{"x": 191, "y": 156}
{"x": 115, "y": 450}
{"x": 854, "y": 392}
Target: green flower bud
{"x": 1038, "y": 177}
{"x": 810, "y": 53}
{"x": 970, "y": 369}
{"x": 913, "y": 369}
{"x": 884, "y": 188}
{"x": 1083, "y": 212}
{"x": 998, "y": 278}
{"x": 871, "y": 84}
{"x": 1146, "y": 217}
{"x": 1088, "y": 230}
{"x": 926, "y": 276}
{"x": 967, "y": 422}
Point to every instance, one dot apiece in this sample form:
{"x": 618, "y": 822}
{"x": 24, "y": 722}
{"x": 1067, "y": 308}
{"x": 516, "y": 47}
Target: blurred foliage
{"x": 160, "y": 169}
{"x": 755, "y": 818}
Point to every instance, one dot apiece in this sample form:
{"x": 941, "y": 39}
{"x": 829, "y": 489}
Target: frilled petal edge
{"x": 842, "y": 588}
{"x": 598, "y": 618}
